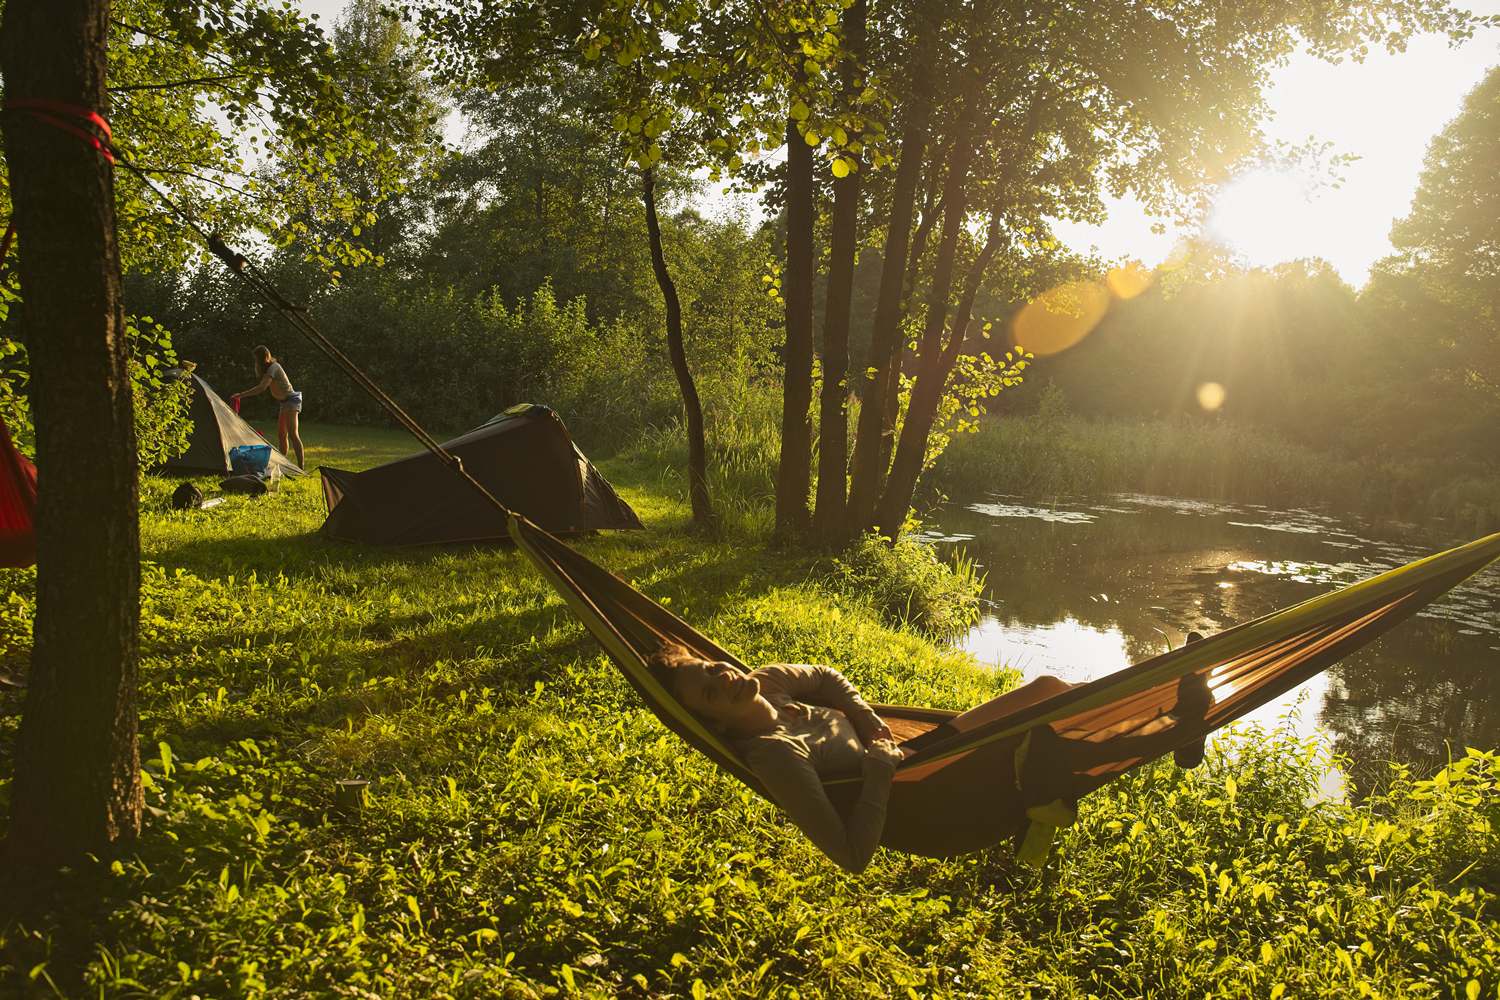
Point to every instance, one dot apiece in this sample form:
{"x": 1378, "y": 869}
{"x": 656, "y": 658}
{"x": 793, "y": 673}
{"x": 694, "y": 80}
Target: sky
{"x": 1384, "y": 111}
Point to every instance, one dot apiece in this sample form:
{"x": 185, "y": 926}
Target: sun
{"x": 1266, "y": 217}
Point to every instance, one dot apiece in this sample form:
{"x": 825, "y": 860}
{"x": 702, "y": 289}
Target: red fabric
{"x": 57, "y": 113}
{"x": 17, "y": 504}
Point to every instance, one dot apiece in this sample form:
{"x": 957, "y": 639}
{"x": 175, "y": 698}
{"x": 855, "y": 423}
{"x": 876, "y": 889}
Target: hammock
{"x": 971, "y": 780}
{"x": 17, "y": 504}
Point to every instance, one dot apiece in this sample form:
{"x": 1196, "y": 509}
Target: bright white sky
{"x": 1384, "y": 111}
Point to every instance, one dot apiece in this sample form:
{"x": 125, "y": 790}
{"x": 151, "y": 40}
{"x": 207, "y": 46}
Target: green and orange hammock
{"x": 971, "y": 780}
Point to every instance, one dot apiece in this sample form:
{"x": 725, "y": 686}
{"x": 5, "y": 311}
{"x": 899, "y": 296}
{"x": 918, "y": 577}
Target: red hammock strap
{"x": 65, "y": 116}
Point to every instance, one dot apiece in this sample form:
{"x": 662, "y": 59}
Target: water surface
{"x": 1082, "y": 586}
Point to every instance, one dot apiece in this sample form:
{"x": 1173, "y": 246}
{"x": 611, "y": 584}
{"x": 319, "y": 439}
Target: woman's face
{"x": 725, "y": 696}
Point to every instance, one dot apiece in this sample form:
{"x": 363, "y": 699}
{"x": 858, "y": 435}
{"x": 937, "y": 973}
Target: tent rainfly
{"x": 524, "y": 456}
{"x": 216, "y": 429}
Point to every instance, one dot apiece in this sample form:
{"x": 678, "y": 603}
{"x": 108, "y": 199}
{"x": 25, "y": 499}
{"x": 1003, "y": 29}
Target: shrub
{"x": 909, "y": 584}
{"x": 160, "y": 407}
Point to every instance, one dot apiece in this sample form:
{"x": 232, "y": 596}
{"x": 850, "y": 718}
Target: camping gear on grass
{"x": 217, "y": 429}
{"x": 248, "y": 484}
{"x": 523, "y": 456}
{"x": 17, "y": 504}
{"x": 250, "y": 459}
{"x": 187, "y": 497}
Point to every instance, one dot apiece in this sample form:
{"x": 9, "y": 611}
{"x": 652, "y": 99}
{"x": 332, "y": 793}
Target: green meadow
{"x": 530, "y": 830}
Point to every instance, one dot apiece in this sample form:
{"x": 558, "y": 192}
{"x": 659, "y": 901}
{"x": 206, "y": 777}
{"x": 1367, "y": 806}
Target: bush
{"x": 909, "y": 585}
{"x": 160, "y": 406}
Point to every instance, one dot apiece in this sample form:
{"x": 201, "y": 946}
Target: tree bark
{"x": 927, "y": 391}
{"x": 932, "y": 210}
{"x": 703, "y": 511}
{"x": 77, "y": 785}
{"x": 795, "y": 471}
{"x": 833, "y": 427}
{"x": 885, "y": 337}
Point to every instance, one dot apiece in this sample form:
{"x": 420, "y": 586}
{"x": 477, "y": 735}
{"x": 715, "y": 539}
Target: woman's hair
{"x": 262, "y": 357}
{"x": 668, "y": 657}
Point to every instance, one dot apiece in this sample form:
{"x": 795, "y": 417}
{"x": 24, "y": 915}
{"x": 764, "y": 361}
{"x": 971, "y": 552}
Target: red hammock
{"x": 17, "y": 504}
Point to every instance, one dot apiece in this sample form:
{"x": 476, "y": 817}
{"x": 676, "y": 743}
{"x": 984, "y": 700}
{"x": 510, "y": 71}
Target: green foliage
{"x": 529, "y": 825}
{"x": 160, "y": 406}
{"x": 908, "y": 584}
{"x": 1441, "y": 287}
{"x": 450, "y": 360}
{"x": 743, "y": 421}
{"x": 1054, "y": 453}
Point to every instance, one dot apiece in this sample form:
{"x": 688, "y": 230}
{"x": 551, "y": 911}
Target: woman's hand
{"x": 883, "y": 733}
{"x": 884, "y": 750}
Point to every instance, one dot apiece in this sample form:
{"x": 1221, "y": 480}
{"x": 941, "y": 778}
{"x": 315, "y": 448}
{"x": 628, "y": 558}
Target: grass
{"x": 532, "y": 831}
{"x": 1058, "y": 454}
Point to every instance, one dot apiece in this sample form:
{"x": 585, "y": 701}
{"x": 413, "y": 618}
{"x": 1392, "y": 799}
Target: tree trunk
{"x": 77, "y": 785}
{"x": 795, "y": 471}
{"x": 932, "y": 210}
{"x": 927, "y": 391}
{"x": 833, "y": 428}
{"x": 885, "y": 337}
{"x": 703, "y": 511}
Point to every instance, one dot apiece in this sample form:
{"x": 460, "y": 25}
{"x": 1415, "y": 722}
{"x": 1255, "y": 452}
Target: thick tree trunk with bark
{"x": 932, "y": 210}
{"x": 77, "y": 782}
{"x": 703, "y": 511}
{"x": 866, "y": 468}
{"x": 927, "y": 390}
{"x": 794, "y": 474}
{"x": 833, "y": 427}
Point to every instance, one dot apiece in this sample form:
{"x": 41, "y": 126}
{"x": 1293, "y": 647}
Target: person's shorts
{"x": 292, "y": 404}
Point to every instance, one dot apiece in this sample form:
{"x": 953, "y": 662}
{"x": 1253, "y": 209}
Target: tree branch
{"x": 174, "y": 84}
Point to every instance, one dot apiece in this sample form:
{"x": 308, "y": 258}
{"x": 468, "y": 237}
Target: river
{"x": 1082, "y": 586}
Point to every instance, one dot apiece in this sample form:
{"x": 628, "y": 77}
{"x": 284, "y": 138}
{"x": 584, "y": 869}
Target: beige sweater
{"x": 823, "y": 729}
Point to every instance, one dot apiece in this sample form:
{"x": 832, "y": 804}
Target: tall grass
{"x": 1057, "y": 454}
{"x": 743, "y": 435}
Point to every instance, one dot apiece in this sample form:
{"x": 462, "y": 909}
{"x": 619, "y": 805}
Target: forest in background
{"x": 520, "y": 269}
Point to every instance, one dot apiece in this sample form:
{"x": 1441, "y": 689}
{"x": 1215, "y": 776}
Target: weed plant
{"x": 909, "y": 584}
{"x": 530, "y": 830}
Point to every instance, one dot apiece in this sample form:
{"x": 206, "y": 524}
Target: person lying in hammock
{"x": 795, "y": 724}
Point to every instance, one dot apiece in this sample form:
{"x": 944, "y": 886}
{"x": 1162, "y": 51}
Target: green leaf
{"x": 799, "y": 111}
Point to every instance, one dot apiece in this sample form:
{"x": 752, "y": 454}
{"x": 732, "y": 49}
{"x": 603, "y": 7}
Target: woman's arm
{"x": 262, "y": 386}
{"x": 794, "y": 785}
{"x": 823, "y": 685}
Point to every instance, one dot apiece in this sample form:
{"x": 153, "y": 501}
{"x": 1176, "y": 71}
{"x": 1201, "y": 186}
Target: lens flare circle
{"x": 1060, "y": 317}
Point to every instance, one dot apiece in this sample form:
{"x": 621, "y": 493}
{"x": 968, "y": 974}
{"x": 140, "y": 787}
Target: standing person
{"x": 273, "y": 377}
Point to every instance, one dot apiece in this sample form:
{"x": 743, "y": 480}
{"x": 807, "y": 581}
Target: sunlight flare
{"x": 1267, "y": 217}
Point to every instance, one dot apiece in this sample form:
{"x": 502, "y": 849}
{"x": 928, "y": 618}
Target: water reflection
{"x": 1081, "y": 587}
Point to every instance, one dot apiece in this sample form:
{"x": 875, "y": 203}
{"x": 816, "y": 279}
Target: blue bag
{"x": 250, "y": 459}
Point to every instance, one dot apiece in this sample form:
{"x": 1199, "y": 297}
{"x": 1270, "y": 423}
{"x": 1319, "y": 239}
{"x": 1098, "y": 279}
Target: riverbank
{"x": 532, "y": 831}
{"x": 1057, "y": 454}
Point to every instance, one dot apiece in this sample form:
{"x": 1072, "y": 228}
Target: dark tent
{"x": 216, "y": 429}
{"x": 524, "y": 456}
